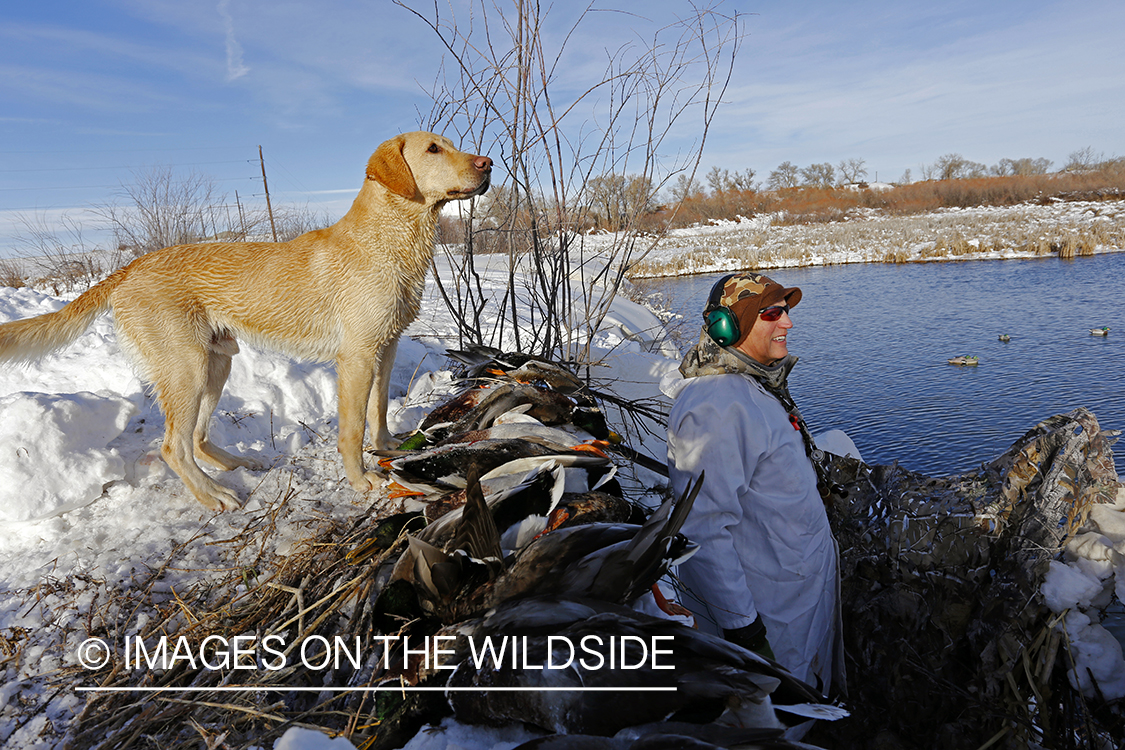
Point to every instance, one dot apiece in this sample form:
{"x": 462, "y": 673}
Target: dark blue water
{"x": 873, "y": 340}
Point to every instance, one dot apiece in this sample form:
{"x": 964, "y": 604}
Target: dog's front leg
{"x": 381, "y": 436}
{"x": 355, "y": 374}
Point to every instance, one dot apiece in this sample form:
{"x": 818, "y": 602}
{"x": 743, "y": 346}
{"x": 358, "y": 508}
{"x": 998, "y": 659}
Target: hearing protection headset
{"x": 720, "y": 322}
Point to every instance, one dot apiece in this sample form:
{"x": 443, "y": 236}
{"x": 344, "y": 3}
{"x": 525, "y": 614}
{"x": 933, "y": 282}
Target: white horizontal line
{"x": 393, "y": 689}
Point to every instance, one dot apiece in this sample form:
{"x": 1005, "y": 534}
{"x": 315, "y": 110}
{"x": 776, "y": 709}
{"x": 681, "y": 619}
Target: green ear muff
{"x": 720, "y": 322}
{"x": 722, "y": 326}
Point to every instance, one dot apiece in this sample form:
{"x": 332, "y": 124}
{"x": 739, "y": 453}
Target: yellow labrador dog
{"x": 342, "y": 294}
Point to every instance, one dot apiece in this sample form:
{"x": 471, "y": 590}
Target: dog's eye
{"x": 434, "y": 148}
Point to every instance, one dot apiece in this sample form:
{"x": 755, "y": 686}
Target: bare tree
{"x": 724, "y": 181}
{"x": 1083, "y": 159}
{"x": 819, "y": 175}
{"x": 685, "y": 187}
{"x": 1022, "y": 167}
{"x": 56, "y": 253}
{"x": 957, "y": 167}
{"x": 852, "y": 171}
{"x": 503, "y": 91}
{"x": 613, "y": 201}
{"x": 787, "y": 175}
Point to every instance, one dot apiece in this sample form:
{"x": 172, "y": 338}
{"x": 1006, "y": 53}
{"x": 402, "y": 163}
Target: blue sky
{"x": 93, "y": 90}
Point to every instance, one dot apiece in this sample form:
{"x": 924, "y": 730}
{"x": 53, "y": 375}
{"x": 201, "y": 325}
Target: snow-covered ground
{"x": 869, "y": 235}
{"x": 88, "y": 506}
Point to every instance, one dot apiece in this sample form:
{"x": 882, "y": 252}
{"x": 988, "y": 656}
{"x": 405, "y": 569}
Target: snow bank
{"x": 1079, "y": 587}
{"x": 57, "y": 454}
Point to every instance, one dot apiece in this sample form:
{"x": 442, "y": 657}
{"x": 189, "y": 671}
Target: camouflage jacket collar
{"x": 708, "y": 358}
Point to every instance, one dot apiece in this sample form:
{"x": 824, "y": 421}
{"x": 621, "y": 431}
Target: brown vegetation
{"x": 812, "y": 205}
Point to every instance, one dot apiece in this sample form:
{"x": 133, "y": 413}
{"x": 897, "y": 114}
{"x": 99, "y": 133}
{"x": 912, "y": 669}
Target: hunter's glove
{"x": 752, "y": 637}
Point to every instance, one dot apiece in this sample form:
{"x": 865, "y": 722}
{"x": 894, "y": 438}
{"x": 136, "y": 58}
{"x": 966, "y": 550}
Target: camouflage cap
{"x": 744, "y": 294}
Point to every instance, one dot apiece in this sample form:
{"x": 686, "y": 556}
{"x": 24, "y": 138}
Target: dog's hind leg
{"x": 381, "y": 437}
{"x": 223, "y": 349}
{"x": 180, "y": 385}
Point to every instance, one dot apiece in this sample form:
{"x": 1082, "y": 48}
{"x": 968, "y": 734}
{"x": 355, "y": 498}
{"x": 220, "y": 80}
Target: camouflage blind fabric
{"x": 948, "y": 640}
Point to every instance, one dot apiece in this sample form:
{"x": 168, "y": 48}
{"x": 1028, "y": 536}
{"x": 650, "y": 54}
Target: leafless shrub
{"x": 160, "y": 209}
{"x": 56, "y": 255}
{"x": 501, "y": 92}
{"x": 11, "y": 274}
{"x": 293, "y": 221}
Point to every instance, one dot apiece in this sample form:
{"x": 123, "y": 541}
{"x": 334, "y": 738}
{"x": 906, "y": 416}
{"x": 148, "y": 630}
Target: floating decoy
{"x": 1005, "y": 337}
{"x": 964, "y": 361}
{"x": 1103, "y": 331}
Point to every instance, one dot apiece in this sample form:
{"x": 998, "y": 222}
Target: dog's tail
{"x": 28, "y": 339}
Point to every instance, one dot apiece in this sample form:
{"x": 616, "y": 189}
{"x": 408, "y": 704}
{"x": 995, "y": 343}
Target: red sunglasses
{"x": 770, "y": 314}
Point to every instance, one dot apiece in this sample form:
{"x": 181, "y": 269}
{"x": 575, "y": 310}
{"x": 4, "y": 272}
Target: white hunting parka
{"x": 765, "y": 545}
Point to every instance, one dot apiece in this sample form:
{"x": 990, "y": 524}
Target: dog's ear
{"x": 388, "y": 167}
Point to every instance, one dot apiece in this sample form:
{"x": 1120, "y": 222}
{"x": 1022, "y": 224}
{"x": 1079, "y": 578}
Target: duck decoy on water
{"x": 964, "y": 361}
{"x": 1103, "y": 331}
{"x": 1005, "y": 337}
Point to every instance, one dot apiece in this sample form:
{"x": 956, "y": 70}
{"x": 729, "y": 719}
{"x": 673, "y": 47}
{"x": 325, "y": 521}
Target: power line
{"x": 92, "y": 187}
{"x": 125, "y": 150}
{"x": 77, "y": 169}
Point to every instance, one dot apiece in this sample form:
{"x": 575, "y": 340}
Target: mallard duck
{"x": 611, "y": 562}
{"x": 1103, "y": 331}
{"x": 964, "y": 360}
{"x": 488, "y": 362}
{"x": 477, "y": 408}
{"x": 710, "y": 676}
{"x": 1005, "y": 337}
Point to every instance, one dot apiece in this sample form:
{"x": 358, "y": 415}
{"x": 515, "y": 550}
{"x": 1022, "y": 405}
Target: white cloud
{"x": 235, "y": 66}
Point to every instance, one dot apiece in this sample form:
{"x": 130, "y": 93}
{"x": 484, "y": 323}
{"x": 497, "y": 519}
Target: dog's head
{"x": 428, "y": 168}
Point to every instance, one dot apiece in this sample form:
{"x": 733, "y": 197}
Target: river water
{"x": 874, "y": 340}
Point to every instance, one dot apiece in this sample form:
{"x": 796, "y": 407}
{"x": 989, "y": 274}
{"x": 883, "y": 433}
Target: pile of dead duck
{"x": 511, "y": 593}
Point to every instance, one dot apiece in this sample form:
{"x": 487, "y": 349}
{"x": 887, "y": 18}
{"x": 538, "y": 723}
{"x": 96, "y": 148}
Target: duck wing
{"x": 631, "y": 569}
{"x": 477, "y": 534}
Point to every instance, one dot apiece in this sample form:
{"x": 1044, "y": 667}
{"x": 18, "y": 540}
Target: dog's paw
{"x": 369, "y": 481}
{"x": 218, "y": 498}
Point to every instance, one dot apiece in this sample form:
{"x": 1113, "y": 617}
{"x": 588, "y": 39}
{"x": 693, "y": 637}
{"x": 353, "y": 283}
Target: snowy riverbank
{"x": 90, "y": 513}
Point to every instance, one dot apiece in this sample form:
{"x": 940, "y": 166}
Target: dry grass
{"x": 1066, "y": 229}
{"x": 819, "y": 205}
{"x": 314, "y": 591}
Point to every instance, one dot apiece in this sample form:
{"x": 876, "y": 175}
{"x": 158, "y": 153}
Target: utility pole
{"x": 269, "y": 208}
